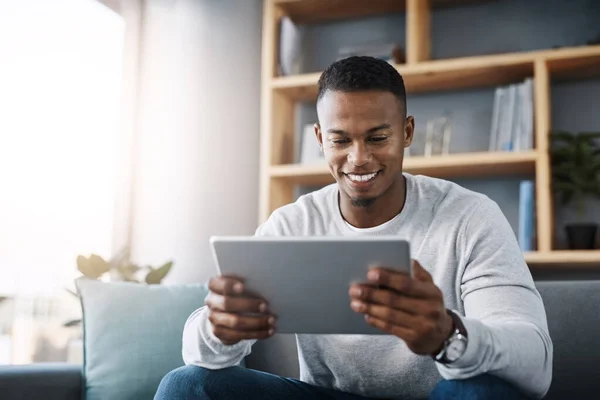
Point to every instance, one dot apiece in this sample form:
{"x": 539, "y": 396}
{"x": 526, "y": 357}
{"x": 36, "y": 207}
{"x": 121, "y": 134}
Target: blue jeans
{"x": 196, "y": 383}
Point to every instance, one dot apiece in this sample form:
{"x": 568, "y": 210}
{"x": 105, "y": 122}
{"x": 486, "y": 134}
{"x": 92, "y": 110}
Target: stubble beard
{"x": 362, "y": 203}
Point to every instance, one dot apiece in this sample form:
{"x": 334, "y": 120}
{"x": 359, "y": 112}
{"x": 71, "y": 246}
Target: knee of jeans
{"x": 479, "y": 387}
{"x": 185, "y": 382}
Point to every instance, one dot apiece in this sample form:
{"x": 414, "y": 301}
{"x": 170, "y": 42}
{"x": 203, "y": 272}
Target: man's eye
{"x": 378, "y": 139}
{"x": 339, "y": 141}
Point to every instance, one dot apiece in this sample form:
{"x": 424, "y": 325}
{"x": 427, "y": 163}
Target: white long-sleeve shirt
{"x": 464, "y": 240}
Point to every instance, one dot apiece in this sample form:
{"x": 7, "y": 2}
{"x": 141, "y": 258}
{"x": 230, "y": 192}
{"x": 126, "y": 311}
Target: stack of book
{"x": 512, "y": 117}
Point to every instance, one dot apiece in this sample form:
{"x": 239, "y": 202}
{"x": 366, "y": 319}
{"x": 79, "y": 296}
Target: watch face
{"x": 456, "y": 348}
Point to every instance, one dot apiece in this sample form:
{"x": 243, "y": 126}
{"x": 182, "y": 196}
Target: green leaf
{"x": 595, "y": 165}
{"x": 589, "y": 136}
{"x": 92, "y": 267}
{"x": 567, "y": 196}
{"x": 155, "y": 276}
{"x": 562, "y": 175}
{"x": 561, "y": 136}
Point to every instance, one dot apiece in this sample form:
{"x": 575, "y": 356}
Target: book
{"x": 526, "y": 229}
{"x": 512, "y": 117}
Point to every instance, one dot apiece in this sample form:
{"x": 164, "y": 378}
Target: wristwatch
{"x": 456, "y": 345}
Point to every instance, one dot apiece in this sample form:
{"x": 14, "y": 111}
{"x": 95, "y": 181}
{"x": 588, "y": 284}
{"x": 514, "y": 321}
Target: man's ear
{"x": 319, "y": 135}
{"x": 409, "y": 130}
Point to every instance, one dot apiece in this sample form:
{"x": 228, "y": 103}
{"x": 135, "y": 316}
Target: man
{"x": 470, "y": 323}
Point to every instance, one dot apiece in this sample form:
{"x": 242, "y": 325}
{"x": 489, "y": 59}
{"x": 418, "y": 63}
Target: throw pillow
{"x": 132, "y": 335}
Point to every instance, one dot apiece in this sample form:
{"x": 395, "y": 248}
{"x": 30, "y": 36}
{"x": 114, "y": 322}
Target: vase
{"x": 581, "y": 236}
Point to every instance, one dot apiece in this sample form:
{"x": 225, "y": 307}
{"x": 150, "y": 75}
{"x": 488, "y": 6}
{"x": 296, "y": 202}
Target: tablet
{"x": 306, "y": 279}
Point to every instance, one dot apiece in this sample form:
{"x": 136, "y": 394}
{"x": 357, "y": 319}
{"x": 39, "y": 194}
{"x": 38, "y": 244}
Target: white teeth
{"x": 362, "y": 178}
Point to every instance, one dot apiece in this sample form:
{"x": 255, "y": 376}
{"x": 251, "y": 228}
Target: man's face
{"x": 363, "y": 135}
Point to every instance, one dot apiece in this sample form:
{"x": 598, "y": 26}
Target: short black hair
{"x": 360, "y": 73}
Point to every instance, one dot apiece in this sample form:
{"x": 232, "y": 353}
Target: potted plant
{"x": 575, "y": 161}
{"x": 118, "y": 268}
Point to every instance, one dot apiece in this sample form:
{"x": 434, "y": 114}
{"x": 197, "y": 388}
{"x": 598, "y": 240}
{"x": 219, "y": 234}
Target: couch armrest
{"x": 48, "y": 381}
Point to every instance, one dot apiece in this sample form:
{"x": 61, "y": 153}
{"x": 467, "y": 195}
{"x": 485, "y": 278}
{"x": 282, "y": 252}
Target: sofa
{"x": 573, "y": 309}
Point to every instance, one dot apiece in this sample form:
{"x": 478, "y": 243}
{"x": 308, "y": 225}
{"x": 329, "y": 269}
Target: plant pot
{"x": 581, "y": 236}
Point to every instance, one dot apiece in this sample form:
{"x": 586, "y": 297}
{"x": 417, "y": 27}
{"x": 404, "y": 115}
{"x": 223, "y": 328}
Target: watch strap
{"x": 457, "y": 328}
{"x": 457, "y": 323}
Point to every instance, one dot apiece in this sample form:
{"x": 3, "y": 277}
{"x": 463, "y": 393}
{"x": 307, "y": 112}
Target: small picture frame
{"x": 437, "y": 137}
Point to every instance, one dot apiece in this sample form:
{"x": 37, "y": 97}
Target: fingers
{"x": 231, "y": 304}
{"x": 226, "y": 285}
{"x": 411, "y": 308}
{"x": 403, "y": 283}
{"x": 232, "y": 336}
{"x": 385, "y": 313}
{"x": 404, "y": 333}
{"x": 416, "y": 330}
{"x": 386, "y": 297}
{"x": 242, "y": 323}
{"x": 424, "y": 337}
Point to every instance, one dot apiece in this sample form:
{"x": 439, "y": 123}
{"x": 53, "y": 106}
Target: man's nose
{"x": 359, "y": 155}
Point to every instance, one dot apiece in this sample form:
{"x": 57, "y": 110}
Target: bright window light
{"x": 60, "y": 88}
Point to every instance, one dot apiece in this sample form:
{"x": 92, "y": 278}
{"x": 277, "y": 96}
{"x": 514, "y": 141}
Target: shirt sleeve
{"x": 504, "y": 313}
{"x": 199, "y": 344}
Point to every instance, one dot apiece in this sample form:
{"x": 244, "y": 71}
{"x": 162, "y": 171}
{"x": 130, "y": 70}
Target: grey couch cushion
{"x": 45, "y": 381}
{"x": 573, "y": 310}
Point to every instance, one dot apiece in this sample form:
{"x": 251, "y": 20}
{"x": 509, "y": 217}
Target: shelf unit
{"x": 279, "y": 175}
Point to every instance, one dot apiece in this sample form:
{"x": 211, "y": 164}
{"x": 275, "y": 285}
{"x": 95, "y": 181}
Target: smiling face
{"x": 363, "y": 135}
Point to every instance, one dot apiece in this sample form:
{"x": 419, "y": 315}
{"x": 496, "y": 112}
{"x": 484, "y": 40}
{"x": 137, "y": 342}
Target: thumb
{"x": 421, "y": 273}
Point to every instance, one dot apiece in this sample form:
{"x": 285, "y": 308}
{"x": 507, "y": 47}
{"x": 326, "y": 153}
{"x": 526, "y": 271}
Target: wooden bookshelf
{"x": 455, "y": 165}
{"x": 280, "y": 94}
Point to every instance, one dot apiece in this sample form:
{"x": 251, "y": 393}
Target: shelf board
{"x": 311, "y": 11}
{"x": 316, "y": 174}
{"x": 454, "y": 165}
{"x": 298, "y": 87}
{"x": 569, "y": 64}
{"x": 564, "y": 259}
{"x": 465, "y": 72}
{"x": 461, "y": 165}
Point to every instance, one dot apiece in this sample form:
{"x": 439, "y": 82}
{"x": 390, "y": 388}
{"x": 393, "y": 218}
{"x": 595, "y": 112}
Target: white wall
{"x": 198, "y": 131}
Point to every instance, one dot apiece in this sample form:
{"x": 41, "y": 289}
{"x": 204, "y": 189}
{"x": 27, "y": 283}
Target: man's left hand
{"x": 409, "y": 308}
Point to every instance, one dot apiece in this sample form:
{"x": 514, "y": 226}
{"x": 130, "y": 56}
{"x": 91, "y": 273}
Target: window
{"x": 61, "y": 67}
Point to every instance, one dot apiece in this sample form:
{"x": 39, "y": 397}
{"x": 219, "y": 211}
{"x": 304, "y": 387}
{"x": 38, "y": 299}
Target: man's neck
{"x": 383, "y": 209}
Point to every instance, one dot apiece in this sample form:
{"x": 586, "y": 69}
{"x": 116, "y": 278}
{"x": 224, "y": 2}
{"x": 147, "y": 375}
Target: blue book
{"x": 526, "y": 219}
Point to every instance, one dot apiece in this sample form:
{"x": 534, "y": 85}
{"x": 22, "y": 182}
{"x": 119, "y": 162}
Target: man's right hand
{"x": 229, "y": 308}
